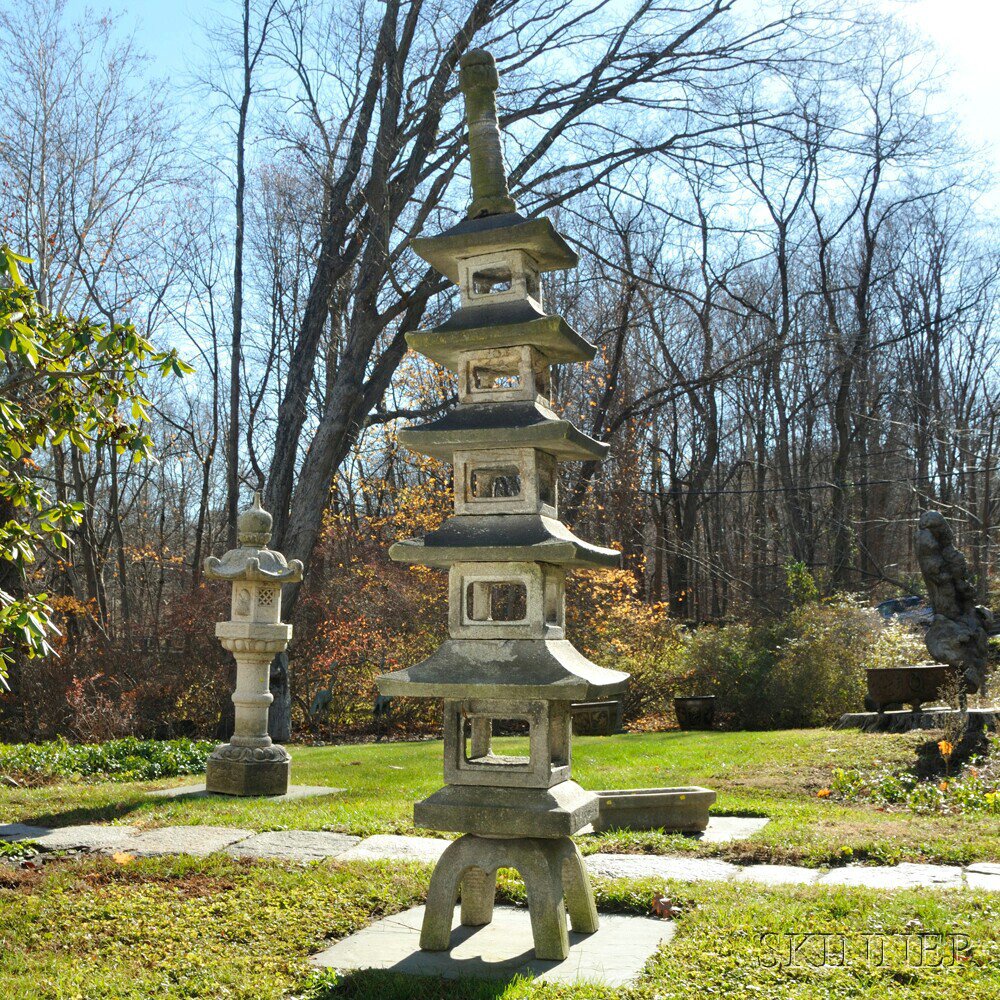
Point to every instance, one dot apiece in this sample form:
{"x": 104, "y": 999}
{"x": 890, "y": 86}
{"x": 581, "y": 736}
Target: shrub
{"x": 130, "y": 759}
{"x": 805, "y": 669}
{"x": 608, "y": 621}
{"x": 735, "y": 663}
{"x": 819, "y": 669}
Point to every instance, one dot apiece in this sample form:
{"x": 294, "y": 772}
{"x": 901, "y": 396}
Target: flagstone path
{"x": 305, "y": 846}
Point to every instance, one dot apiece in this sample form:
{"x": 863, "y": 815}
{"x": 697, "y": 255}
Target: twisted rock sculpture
{"x": 958, "y": 634}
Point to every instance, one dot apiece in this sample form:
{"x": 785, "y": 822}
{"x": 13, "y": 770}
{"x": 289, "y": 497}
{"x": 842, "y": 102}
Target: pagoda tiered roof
{"x": 505, "y": 668}
{"x": 492, "y": 233}
{"x": 503, "y": 538}
{"x": 508, "y": 324}
{"x": 527, "y": 424}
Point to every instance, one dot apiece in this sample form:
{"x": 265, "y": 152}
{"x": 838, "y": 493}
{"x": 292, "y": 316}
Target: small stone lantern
{"x": 250, "y": 764}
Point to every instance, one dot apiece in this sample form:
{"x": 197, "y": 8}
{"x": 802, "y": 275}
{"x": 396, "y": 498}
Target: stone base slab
{"x": 200, "y": 791}
{"x": 247, "y": 777}
{"x": 391, "y": 846}
{"x": 726, "y": 829}
{"x": 905, "y": 722}
{"x": 612, "y": 956}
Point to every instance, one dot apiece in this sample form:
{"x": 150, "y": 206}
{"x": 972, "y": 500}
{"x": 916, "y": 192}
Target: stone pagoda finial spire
{"x": 478, "y": 82}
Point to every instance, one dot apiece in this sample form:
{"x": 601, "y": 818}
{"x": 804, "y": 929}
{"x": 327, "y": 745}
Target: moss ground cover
{"x": 775, "y": 774}
{"x": 228, "y": 930}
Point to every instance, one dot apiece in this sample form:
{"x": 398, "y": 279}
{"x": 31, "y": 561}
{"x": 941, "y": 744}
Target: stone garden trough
{"x": 673, "y": 810}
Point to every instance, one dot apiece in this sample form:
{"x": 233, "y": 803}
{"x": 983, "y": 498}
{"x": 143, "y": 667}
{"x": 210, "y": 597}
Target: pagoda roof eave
{"x": 504, "y": 668}
{"x": 503, "y": 538}
{"x": 253, "y": 565}
{"x": 551, "y": 336}
{"x": 502, "y": 425}
{"x": 492, "y": 234}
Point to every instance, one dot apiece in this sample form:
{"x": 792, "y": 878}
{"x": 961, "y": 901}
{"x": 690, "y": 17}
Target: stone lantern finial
{"x": 253, "y": 527}
{"x": 478, "y": 81}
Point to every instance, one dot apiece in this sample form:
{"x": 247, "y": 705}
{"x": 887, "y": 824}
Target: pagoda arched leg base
{"x": 555, "y": 879}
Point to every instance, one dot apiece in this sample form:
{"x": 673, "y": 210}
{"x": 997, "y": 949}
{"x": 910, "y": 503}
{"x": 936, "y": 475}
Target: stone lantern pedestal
{"x": 250, "y": 763}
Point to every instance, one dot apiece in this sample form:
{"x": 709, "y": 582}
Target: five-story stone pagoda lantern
{"x": 507, "y": 657}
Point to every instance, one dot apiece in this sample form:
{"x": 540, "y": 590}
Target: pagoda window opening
{"x": 478, "y": 741}
{"x": 547, "y": 483}
{"x": 543, "y": 383}
{"x": 532, "y": 285}
{"x": 494, "y": 378}
{"x": 495, "y": 483}
{"x": 554, "y": 600}
{"x": 496, "y": 601}
{"x": 492, "y": 281}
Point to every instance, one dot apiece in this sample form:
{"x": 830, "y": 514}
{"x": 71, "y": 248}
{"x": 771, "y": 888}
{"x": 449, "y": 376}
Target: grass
{"x": 214, "y": 928}
{"x": 774, "y": 774}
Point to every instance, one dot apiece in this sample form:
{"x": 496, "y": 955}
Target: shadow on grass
{"x": 88, "y": 814}
{"x": 379, "y": 984}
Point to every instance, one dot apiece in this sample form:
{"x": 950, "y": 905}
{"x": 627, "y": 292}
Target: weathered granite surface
{"x": 301, "y": 845}
{"x": 197, "y": 840}
{"x": 682, "y": 809}
{"x": 777, "y": 875}
{"x": 90, "y": 838}
{"x": 502, "y": 949}
{"x": 250, "y": 764}
{"x": 658, "y": 866}
{"x": 293, "y": 845}
{"x": 199, "y": 791}
{"x": 904, "y": 876}
{"x": 21, "y": 831}
{"x": 387, "y": 846}
{"x": 928, "y": 718}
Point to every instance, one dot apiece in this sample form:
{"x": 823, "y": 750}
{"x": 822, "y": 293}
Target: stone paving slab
{"x": 725, "y": 829}
{"x": 981, "y": 880}
{"x": 305, "y": 846}
{"x": 293, "y": 845}
{"x": 777, "y": 875}
{"x": 196, "y": 840}
{"x": 385, "y": 846}
{"x": 21, "y": 831}
{"x": 659, "y": 866}
{"x": 984, "y": 868}
{"x": 198, "y": 791}
{"x": 905, "y": 876}
{"x": 91, "y": 838}
{"x": 612, "y": 956}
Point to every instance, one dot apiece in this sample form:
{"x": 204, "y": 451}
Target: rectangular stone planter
{"x": 597, "y": 718}
{"x": 914, "y": 685}
{"x": 674, "y": 810}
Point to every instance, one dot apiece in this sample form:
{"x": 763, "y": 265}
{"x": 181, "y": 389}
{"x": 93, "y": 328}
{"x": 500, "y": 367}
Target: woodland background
{"x": 788, "y": 261}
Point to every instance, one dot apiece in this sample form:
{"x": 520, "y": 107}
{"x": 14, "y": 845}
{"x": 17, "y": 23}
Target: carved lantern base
{"x": 235, "y": 770}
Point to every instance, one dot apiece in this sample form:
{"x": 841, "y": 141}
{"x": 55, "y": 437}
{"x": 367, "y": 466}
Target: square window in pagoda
{"x": 495, "y": 601}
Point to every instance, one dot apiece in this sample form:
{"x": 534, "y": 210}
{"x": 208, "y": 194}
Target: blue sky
{"x": 965, "y": 32}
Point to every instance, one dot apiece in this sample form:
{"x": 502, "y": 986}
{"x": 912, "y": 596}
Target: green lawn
{"x": 214, "y": 928}
{"x": 774, "y": 774}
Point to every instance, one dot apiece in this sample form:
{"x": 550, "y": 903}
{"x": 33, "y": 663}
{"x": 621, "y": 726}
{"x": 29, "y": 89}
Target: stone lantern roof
{"x": 253, "y": 561}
